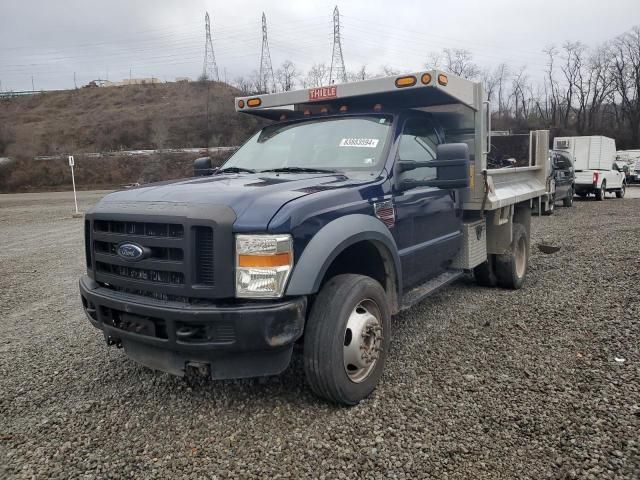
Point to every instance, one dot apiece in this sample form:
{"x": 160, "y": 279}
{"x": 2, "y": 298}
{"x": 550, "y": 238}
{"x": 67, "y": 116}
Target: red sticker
{"x": 322, "y": 93}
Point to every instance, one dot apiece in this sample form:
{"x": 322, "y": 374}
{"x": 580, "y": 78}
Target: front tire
{"x": 511, "y": 267}
{"x": 347, "y": 338}
{"x": 600, "y": 194}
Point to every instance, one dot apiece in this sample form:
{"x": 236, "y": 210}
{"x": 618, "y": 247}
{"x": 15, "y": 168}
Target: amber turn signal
{"x": 426, "y": 78}
{"x": 442, "y": 79}
{"x": 260, "y": 261}
{"x": 254, "y": 102}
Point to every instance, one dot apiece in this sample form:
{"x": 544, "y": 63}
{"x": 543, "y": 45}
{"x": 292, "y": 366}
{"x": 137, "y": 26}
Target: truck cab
{"x": 358, "y": 201}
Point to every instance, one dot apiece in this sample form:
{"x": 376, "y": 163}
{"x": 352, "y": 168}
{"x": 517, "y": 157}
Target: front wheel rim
{"x": 363, "y": 339}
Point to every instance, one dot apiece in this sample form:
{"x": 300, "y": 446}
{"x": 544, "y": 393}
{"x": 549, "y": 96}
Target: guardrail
{"x": 136, "y": 153}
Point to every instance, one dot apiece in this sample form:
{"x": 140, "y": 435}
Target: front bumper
{"x": 233, "y": 340}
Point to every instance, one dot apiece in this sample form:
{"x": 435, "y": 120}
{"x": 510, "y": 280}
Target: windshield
{"x": 333, "y": 144}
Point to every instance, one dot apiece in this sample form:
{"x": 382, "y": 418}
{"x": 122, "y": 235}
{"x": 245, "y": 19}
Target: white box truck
{"x": 594, "y": 163}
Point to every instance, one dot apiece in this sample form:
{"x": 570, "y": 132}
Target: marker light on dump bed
{"x": 442, "y": 79}
{"x": 254, "y": 102}
{"x": 240, "y": 103}
{"x": 408, "y": 81}
{"x": 426, "y": 78}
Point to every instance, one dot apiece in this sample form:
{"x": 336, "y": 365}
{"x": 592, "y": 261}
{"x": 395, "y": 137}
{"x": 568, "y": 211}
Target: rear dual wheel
{"x": 551, "y": 206}
{"x": 508, "y": 270}
{"x": 511, "y": 267}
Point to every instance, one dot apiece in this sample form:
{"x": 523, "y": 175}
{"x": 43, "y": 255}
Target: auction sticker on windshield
{"x": 359, "y": 142}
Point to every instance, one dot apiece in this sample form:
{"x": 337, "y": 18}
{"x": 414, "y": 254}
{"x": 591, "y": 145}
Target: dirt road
{"x": 480, "y": 383}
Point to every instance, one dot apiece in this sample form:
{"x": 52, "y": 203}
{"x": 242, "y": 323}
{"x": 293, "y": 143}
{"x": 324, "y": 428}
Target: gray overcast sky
{"x": 165, "y": 38}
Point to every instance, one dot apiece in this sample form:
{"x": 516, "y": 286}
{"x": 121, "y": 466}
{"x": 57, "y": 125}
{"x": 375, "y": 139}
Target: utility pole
{"x": 267, "y": 79}
{"x": 209, "y": 68}
{"x": 337, "y": 72}
{"x": 75, "y": 85}
{"x": 33, "y": 88}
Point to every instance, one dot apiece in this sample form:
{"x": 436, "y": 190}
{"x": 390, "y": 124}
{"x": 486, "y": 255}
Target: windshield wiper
{"x": 299, "y": 170}
{"x": 236, "y": 170}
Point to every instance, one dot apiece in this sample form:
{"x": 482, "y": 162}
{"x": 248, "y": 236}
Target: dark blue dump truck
{"x": 358, "y": 201}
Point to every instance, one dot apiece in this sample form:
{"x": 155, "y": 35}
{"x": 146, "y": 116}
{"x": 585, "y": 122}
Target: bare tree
{"x": 521, "y": 93}
{"x": 455, "y": 60}
{"x": 572, "y": 70}
{"x": 625, "y": 72}
{"x": 552, "y": 88}
{"x": 243, "y": 84}
{"x": 602, "y": 84}
{"x": 317, "y": 76}
{"x": 388, "y": 71}
{"x": 360, "y": 74}
{"x": 287, "y": 76}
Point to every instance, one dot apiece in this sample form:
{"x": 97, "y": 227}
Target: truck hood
{"x": 255, "y": 198}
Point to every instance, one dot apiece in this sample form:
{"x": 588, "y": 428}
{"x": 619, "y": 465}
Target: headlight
{"x": 263, "y": 265}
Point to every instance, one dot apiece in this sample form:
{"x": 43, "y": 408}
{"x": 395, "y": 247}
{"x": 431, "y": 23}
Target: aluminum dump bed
{"x": 459, "y": 105}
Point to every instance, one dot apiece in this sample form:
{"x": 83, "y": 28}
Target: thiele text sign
{"x": 323, "y": 93}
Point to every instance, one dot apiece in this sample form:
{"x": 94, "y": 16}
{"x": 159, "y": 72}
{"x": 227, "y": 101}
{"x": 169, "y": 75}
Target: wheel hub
{"x": 362, "y": 341}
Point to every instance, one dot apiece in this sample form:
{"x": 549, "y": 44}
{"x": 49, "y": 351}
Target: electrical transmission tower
{"x": 209, "y": 68}
{"x": 267, "y": 80}
{"x": 337, "y": 72}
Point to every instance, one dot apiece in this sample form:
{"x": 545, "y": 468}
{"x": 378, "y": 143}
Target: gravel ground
{"x": 481, "y": 383}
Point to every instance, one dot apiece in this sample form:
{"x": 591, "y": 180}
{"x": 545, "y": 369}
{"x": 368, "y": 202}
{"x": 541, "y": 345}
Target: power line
{"x": 267, "y": 82}
{"x": 337, "y": 70}
{"x": 209, "y": 68}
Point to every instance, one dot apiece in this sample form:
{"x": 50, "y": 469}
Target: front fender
{"x": 330, "y": 241}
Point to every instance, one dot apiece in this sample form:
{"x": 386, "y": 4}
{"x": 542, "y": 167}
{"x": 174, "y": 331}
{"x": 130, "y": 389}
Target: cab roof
{"x": 414, "y": 90}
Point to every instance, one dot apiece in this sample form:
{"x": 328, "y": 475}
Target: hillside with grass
{"x": 135, "y": 117}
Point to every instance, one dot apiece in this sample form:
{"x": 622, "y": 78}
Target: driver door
{"x": 428, "y": 219}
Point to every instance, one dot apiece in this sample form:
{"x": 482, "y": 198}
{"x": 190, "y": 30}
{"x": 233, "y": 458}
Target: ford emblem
{"x": 130, "y": 251}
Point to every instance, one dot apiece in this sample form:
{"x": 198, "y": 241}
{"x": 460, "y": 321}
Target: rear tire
{"x": 485, "y": 274}
{"x": 601, "y": 193}
{"x": 511, "y": 267}
{"x": 568, "y": 200}
{"x": 620, "y": 193}
{"x": 347, "y": 338}
{"x": 551, "y": 205}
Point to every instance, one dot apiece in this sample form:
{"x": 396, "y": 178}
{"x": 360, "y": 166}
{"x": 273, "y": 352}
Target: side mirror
{"x": 452, "y": 167}
{"x": 202, "y": 167}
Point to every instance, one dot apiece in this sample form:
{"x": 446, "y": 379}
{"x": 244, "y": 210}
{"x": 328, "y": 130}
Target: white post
{"x": 73, "y": 180}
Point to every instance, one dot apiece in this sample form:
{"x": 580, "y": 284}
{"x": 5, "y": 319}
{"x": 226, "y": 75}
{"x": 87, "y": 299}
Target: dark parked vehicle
{"x": 561, "y": 182}
{"x": 356, "y": 204}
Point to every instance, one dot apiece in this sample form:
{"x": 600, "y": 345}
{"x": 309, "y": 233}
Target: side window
{"x": 564, "y": 162}
{"x": 418, "y": 142}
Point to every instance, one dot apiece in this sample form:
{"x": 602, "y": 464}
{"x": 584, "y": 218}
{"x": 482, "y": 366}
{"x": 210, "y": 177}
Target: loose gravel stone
{"x": 480, "y": 383}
